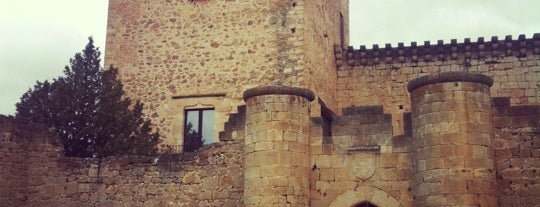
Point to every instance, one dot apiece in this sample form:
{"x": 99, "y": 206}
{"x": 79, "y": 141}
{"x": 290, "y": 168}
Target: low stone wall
{"x": 33, "y": 173}
{"x": 26, "y": 152}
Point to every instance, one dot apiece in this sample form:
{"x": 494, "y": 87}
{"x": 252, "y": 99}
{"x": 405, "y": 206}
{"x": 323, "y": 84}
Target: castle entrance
{"x": 365, "y": 204}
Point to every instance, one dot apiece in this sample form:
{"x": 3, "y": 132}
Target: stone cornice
{"x": 449, "y": 77}
{"x": 277, "y": 89}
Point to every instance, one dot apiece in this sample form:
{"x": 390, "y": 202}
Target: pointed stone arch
{"x": 365, "y": 194}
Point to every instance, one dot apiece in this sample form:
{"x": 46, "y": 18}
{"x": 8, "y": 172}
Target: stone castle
{"x": 291, "y": 116}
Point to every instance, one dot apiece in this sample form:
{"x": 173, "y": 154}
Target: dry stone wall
{"x": 34, "y": 173}
{"x": 379, "y": 76}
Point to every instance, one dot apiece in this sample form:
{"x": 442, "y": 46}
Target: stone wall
{"x": 196, "y": 49}
{"x": 379, "y": 76}
{"x": 361, "y": 161}
{"x": 34, "y": 173}
{"x": 452, "y": 140}
{"x": 27, "y": 153}
{"x": 322, "y": 31}
{"x": 276, "y": 146}
{"x": 517, "y": 152}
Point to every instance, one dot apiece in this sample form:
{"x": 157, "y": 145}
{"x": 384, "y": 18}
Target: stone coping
{"x": 454, "y": 76}
{"x": 276, "y": 89}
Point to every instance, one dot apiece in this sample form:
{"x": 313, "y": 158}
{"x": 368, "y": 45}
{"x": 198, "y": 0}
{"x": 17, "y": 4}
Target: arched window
{"x": 365, "y": 204}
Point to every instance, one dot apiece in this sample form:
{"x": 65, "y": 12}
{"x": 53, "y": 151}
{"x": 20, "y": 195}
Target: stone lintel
{"x": 277, "y": 89}
{"x": 454, "y": 76}
{"x": 200, "y": 95}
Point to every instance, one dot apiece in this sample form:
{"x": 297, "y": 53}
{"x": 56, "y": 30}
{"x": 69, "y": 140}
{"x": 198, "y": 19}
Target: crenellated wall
{"x": 379, "y": 76}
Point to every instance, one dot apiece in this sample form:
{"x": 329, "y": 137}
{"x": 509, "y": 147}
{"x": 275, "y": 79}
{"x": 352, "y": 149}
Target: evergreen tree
{"x": 86, "y": 109}
{"x": 192, "y": 139}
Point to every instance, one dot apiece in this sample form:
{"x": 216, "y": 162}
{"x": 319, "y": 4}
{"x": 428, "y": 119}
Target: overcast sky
{"x": 37, "y": 37}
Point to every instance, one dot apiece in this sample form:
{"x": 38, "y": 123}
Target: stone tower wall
{"x": 452, "y": 140}
{"x": 321, "y": 33}
{"x": 276, "y": 156}
{"x": 207, "y": 52}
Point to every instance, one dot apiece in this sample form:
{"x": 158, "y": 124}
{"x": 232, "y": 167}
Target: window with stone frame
{"x": 198, "y": 128}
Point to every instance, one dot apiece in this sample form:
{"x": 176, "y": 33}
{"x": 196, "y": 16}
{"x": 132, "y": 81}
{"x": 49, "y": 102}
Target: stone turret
{"x": 452, "y": 140}
{"x": 276, "y": 155}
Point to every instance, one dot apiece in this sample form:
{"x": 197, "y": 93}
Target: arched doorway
{"x": 365, "y": 204}
{"x": 365, "y": 196}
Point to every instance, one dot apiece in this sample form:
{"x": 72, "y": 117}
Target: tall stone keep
{"x": 276, "y": 153}
{"x": 452, "y": 140}
{"x": 175, "y": 55}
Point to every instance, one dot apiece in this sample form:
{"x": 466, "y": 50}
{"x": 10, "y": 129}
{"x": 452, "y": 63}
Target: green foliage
{"x": 86, "y": 109}
{"x": 192, "y": 139}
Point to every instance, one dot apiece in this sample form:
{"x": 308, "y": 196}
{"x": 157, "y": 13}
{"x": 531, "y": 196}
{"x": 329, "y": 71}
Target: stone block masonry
{"x": 517, "y": 153}
{"x": 379, "y": 76}
{"x": 360, "y": 161}
{"x": 34, "y": 173}
{"x": 452, "y": 140}
{"x": 276, "y": 156}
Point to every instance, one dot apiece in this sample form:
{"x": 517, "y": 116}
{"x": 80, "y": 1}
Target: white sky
{"x": 37, "y": 37}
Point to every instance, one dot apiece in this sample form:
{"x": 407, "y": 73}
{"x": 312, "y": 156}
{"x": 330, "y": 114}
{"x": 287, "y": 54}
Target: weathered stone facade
{"x": 300, "y": 119}
{"x": 195, "y": 49}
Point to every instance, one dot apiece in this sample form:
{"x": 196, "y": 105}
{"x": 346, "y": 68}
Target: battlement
{"x": 481, "y": 49}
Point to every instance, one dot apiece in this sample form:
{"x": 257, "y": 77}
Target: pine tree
{"x": 87, "y": 110}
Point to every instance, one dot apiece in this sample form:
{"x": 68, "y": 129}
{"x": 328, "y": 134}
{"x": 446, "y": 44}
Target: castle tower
{"x": 276, "y": 155}
{"x": 452, "y": 140}
{"x": 180, "y": 55}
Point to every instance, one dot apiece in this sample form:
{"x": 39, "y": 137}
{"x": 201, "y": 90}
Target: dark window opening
{"x": 327, "y": 117}
{"x": 365, "y": 204}
{"x": 326, "y": 125}
{"x": 341, "y": 30}
{"x": 198, "y": 128}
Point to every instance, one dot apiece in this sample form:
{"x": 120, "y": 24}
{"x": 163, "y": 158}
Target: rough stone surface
{"x": 517, "y": 154}
{"x": 34, "y": 173}
{"x": 276, "y": 158}
{"x": 380, "y": 76}
{"x": 345, "y": 165}
{"x": 178, "y": 48}
{"x": 452, "y": 142}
